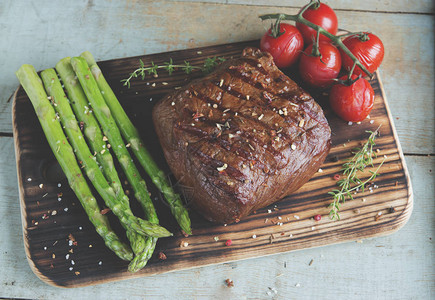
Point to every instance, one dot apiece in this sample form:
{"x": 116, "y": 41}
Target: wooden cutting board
{"x": 64, "y": 250}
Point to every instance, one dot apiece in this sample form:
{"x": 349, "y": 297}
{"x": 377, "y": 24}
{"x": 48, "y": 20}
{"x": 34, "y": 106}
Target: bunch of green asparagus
{"x": 86, "y": 103}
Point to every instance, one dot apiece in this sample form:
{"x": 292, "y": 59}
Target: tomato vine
{"x": 334, "y": 38}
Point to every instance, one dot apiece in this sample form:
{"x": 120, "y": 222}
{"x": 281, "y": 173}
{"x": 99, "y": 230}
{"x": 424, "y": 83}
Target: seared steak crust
{"x": 242, "y": 137}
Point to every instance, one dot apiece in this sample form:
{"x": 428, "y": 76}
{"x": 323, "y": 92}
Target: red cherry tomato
{"x": 319, "y": 71}
{"x": 285, "y": 48}
{"x": 352, "y": 103}
{"x": 324, "y": 16}
{"x": 367, "y": 48}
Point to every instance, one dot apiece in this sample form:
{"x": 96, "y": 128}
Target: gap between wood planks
{"x": 418, "y": 154}
{"x": 335, "y": 9}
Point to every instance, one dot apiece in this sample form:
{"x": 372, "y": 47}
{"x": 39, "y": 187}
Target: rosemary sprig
{"x": 362, "y": 158}
{"x": 209, "y": 64}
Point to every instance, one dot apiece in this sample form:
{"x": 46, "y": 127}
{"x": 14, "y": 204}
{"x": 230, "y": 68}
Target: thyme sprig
{"x": 209, "y": 64}
{"x": 362, "y": 158}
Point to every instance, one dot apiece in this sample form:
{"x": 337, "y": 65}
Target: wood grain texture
{"x": 298, "y": 231}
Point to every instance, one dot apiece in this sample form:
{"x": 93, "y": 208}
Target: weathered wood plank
{"x": 401, "y": 6}
{"x": 372, "y": 269}
{"x": 115, "y": 30}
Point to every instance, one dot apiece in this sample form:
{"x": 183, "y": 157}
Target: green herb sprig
{"x": 209, "y": 64}
{"x": 362, "y": 158}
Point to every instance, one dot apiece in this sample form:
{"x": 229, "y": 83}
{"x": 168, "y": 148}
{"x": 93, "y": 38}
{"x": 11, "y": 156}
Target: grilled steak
{"x": 242, "y": 137}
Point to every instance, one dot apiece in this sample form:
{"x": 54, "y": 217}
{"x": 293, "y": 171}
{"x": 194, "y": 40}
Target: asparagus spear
{"x": 68, "y": 120}
{"x": 130, "y": 133}
{"x": 65, "y": 156}
{"x": 104, "y": 117}
{"x": 91, "y": 128}
{"x": 141, "y": 246}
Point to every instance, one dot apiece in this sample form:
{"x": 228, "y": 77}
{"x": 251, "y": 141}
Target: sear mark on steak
{"x": 242, "y": 137}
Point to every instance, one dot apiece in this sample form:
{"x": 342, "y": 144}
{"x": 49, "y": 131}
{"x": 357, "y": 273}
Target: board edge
{"x": 403, "y": 217}
{"x": 24, "y": 224}
{"x": 407, "y": 212}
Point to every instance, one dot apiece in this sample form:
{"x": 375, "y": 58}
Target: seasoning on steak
{"x": 242, "y": 137}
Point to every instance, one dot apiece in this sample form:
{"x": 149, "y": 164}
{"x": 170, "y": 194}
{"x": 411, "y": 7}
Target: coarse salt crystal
{"x": 372, "y": 121}
{"x": 254, "y": 236}
{"x": 220, "y": 169}
{"x": 296, "y": 217}
{"x": 350, "y": 123}
{"x": 65, "y": 209}
{"x": 29, "y": 179}
{"x": 41, "y": 185}
{"x": 67, "y": 256}
{"x": 59, "y": 185}
{"x": 320, "y": 171}
{"x": 100, "y": 262}
{"x": 71, "y": 268}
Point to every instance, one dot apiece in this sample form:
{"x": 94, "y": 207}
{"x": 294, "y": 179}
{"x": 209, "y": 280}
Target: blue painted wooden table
{"x": 399, "y": 266}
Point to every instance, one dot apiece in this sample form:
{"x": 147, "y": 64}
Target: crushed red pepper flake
{"x": 72, "y": 239}
{"x": 378, "y": 216}
{"x": 162, "y": 256}
{"x": 105, "y": 211}
{"x": 229, "y": 282}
